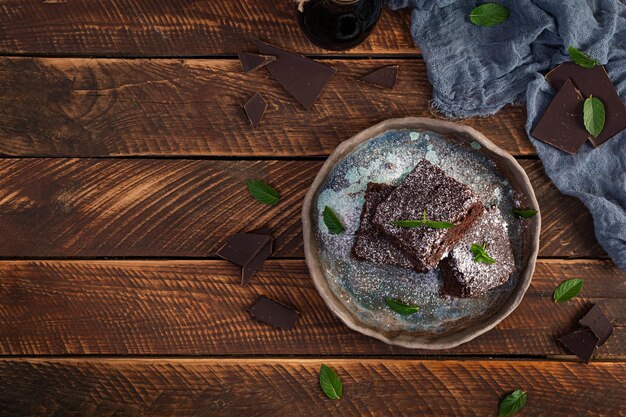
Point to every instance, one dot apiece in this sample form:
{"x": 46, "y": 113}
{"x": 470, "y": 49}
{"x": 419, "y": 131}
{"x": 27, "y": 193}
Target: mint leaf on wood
{"x": 332, "y": 222}
{"x": 400, "y": 307}
{"x": 489, "y": 14}
{"x": 262, "y": 192}
{"x": 525, "y": 213}
{"x": 480, "y": 255}
{"x": 568, "y": 290}
{"x": 581, "y": 58}
{"x": 593, "y": 116}
{"x": 423, "y": 222}
{"x": 512, "y": 403}
{"x": 330, "y": 383}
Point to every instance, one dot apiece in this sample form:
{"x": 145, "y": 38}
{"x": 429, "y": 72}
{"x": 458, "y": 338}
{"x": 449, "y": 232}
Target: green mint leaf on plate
{"x": 581, "y": 58}
{"x": 423, "y": 222}
{"x": 400, "y": 307}
{"x": 568, "y": 290}
{"x": 480, "y": 255}
{"x": 330, "y": 383}
{"x": 593, "y": 116}
{"x": 512, "y": 403}
{"x": 332, "y": 222}
{"x": 489, "y": 14}
{"x": 262, "y": 192}
{"x": 525, "y": 213}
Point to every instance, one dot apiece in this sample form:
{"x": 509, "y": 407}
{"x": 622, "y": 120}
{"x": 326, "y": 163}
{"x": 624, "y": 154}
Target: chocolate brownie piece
{"x": 464, "y": 277}
{"x": 370, "y": 243}
{"x": 427, "y": 188}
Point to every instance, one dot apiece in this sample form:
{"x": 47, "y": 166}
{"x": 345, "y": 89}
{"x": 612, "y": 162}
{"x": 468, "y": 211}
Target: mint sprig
{"x": 480, "y": 255}
{"x": 332, "y": 222}
{"x": 330, "y": 383}
{"x": 593, "y": 116}
{"x": 568, "y": 289}
{"x": 525, "y": 213}
{"x": 512, "y": 403}
{"x": 489, "y": 14}
{"x": 423, "y": 222}
{"x": 263, "y": 192}
{"x": 400, "y": 307}
{"x": 581, "y": 58}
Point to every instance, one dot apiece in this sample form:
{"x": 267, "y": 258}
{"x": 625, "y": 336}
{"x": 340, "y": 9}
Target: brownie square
{"x": 370, "y": 243}
{"x": 464, "y": 277}
{"x": 428, "y": 188}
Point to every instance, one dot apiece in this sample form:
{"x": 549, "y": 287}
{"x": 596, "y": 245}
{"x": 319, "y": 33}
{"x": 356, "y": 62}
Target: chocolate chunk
{"x": 273, "y": 313}
{"x": 383, "y": 77}
{"x": 251, "y": 62}
{"x": 562, "y": 123}
{"x": 464, "y": 277}
{"x": 255, "y": 109}
{"x": 248, "y": 270}
{"x": 593, "y": 82}
{"x": 598, "y": 323}
{"x": 370, "y": 243}
{"x": 428, "y": 188}
{"x": 581, "y": 342}
{"x": 248, "y": 250}
{"x": 302, "y": 77}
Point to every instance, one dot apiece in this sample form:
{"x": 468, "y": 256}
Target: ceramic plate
{"x": 355, "y": 290}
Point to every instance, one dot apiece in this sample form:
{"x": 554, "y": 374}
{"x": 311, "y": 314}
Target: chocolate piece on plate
{"x": 251, "y": 62}
{"x": 273, "y": 313}
{"x": 462, "y": 275}
{"x": 384, "y": 77}
{"x": 302, "y": 77}
{"x": 562, "y": 123}
{"x": 443, "y": 198}
{"x": 581, "y": 342}
{"x": 370, "y": 243}
{"x": 598, "y": 323}
{"x": 248, "y": 250}
{"x": 255, "y": 109}
{"x": 593, "y": 82}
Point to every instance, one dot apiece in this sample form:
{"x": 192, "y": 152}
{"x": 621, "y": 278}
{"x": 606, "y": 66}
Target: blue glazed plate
{"x": 356, "y": 290}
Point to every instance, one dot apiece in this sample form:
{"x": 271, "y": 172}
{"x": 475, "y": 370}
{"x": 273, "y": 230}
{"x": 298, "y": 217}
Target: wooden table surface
{"x": 124, "y": 151}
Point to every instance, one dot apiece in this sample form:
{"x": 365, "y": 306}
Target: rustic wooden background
{"x": 124, "y": 150}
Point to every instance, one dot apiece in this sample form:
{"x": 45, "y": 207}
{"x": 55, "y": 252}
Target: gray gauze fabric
{"x": 475, "y": 71}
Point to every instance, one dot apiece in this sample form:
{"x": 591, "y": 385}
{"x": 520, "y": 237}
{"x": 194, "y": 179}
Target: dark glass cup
{"x": 338, "y": 24}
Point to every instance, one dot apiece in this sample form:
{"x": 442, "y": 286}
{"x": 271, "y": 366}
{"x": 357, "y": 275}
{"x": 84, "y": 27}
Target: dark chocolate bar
{"x": 598, "y": 323}
{"x": 273, "y": 313}
{"x": 383, "y": 77}
{"x": 581, "y": 342}
{"x": 251, "y": 62}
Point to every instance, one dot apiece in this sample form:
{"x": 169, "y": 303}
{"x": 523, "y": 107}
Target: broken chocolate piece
{"x": 273, "y": 313}
{"x": 464, "y": 277}
{"x": 248, "y": 250}
{"x": 598, "y": 323}
{"x": 248, "y": 270}
{"x": 581, "y": 342}
{"x": 251, "y": 62}
{"x": 428, "y": 188}
{"x": 383, "y": 77}
{"x": 593, "y": 82}
{"x": 562, "y": 123}
{"x": 370, "y": 243}
{"x": 302, "y": 77}
{"x": 255, "y": 109}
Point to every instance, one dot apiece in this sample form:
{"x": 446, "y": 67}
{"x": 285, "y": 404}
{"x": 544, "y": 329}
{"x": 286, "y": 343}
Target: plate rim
{"x": 403, "y": 339}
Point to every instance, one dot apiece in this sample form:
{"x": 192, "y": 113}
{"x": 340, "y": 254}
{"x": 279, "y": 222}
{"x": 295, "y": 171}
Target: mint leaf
{"x": 262, "y": 192}
{"x": 480, "y": 255}
{"x": 512, "y": 403}
{"x": 400, "y": 307}
{"x": 332, "y": 222}
{"x": 581, "y": 58}
{"x": 489, "y": 14}
{"x": 423, "y": 222}
{"x": 568, "y": 290}
{"x": 525, "y": 213}
{"x": 593, "y": 116}
{"x": 330, "y": 383}
{"x": 438, "y": 225}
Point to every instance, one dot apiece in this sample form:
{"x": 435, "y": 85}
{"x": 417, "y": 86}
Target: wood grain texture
{"x": 171, "y": 28}
{"x": 198, "y": 308}
{"x": 112, "y": 107}
{"x": 188, "y": 208}
{"x": 243, "y": 387}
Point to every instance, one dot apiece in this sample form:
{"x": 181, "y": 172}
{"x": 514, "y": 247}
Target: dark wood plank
{"x": 112, "y": 107}
{"x": 166, "y": 28}
{"x": 198, "y": 308}
{"x": 164, "y": 208}
{"x": 244, "y": 387}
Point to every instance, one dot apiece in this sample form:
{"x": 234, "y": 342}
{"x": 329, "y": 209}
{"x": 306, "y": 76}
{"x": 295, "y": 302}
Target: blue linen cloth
{"x": 475, "y": 71}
